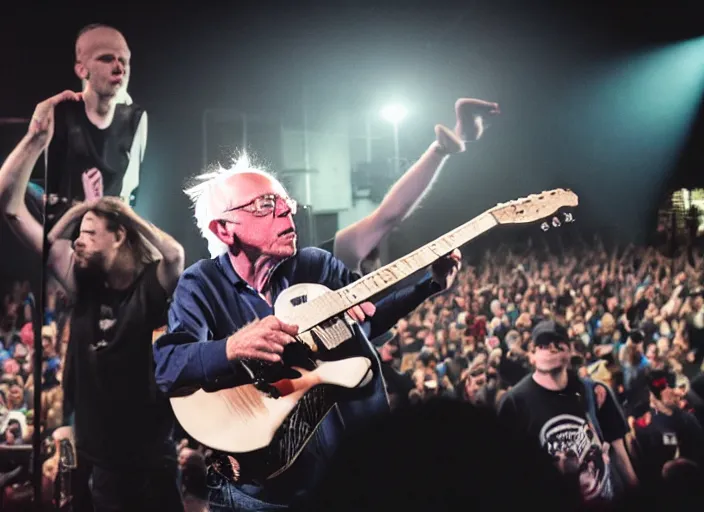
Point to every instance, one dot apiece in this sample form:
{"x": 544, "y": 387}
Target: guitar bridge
{"x": 267, "y": 388}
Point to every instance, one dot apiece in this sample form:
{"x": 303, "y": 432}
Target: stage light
{"x": 394, "y": 113}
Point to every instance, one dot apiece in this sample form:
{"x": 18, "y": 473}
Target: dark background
{"x": 572, "y": 114}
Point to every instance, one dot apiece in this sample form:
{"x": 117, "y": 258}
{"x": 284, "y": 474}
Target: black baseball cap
{"x": 549, "y": 331}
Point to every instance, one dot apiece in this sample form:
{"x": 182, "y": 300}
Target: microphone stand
{"x": 37, "y": 324}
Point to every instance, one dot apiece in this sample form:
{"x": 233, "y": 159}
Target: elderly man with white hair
{"x": 222, "y": 320}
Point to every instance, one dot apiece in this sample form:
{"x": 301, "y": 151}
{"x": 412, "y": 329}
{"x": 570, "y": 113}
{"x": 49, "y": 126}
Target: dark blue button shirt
{"x": 211, "y": 302}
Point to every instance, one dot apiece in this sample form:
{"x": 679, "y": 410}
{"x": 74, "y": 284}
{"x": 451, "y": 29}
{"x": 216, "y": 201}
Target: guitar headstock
{"x": 534, "y": 207}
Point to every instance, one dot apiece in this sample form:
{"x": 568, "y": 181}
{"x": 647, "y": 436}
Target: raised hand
{"x": 41, "y": 127}
{"x": 446, "y": 268}
{"x": 92, "y": 184}
{"x": 472, "y": 117}
{"x": 263, "y": 339}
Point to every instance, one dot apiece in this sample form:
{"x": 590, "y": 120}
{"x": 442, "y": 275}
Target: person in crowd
{"x": 664, "y": 432}
{"x": 573, "y": 419}
{"x": 119, "y": 274}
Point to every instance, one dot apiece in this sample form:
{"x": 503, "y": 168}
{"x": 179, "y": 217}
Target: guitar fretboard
{"x": 332, "y": 304}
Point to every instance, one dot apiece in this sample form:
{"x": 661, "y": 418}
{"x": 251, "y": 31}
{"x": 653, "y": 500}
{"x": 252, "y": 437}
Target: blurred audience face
{"x": 552, "y": 357}
{"x": 474, "y": 383}
{"x": 15, "y": 396}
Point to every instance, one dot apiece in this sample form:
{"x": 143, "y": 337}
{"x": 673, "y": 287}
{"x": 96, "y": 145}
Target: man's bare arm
{"x": 173, "y": 256}
{"x": 139, "y": 146}
{"x": 624, "y": 462}
{"x": 172, "y": 253}
{"x": 353, "y": 243}
{"x": 14, "y": 178}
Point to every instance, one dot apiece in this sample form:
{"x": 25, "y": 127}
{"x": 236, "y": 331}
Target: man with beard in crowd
{"x": 120, "y": 290}
{"x": 574, "y": 420}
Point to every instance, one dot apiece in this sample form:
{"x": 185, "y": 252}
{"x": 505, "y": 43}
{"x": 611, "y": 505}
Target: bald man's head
{"x": 102, "y": 60}
{"x": 92, "y": 37}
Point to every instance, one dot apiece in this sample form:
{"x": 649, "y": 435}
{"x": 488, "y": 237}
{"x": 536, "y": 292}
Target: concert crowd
{"x": 633, "y": 317}
{"x": 17, "y": 395}
{"x": 627, "y": 311}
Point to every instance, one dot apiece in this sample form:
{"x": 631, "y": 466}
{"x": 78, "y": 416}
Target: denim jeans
{"x": 292, "y": 487}
{"x": 288, "y": 488}
{"x": 226, "y": 496}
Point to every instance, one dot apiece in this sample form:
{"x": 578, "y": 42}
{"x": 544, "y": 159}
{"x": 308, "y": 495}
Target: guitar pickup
{"x": 301, "y": 299}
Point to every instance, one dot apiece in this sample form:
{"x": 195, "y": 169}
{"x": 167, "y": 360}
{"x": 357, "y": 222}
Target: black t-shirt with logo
{"x": 559, "y": 422}
{"x": 121, "y": 418}
{"x": 666, "y": 438}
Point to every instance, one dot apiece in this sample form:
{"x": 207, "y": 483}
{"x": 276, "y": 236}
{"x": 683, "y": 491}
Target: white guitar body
{"x": 268, "y": 432}
{"x": 243, "y": 418}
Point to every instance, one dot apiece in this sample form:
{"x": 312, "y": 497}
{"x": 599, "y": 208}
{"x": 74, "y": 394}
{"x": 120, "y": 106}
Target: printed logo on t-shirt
{"x": 106, "y": 324}
{"x": 576, "y": 449}
{"x": 669, "y": 439}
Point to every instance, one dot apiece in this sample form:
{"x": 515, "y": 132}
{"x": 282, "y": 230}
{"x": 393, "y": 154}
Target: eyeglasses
{"x": 265, "y": 205}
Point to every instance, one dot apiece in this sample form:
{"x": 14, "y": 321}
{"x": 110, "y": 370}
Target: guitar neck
{"x": 374, "y": 283}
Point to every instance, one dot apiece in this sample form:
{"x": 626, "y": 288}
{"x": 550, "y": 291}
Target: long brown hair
{"x": 143, "y": 252}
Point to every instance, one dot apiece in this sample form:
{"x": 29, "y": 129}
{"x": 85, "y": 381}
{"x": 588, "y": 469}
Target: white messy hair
{"x": 201, "y": 191}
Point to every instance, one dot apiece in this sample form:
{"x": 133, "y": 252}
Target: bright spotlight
{"x": 394, "y": 113}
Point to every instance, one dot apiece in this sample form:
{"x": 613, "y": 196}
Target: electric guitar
{"x": 262, "y": 427}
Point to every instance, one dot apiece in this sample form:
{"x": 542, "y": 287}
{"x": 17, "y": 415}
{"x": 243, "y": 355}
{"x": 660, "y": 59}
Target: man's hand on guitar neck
{"x": 361, "y": 312}
{"x": 446, "y": 268}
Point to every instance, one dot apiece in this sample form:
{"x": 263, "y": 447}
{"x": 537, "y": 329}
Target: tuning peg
{"x": 568, "y": 217}
{"x": 556, "y": 222}
{"x": 545, "y": 226}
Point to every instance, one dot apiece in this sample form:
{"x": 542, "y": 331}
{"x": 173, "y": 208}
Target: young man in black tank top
{"x": 120, "y": 290}
{"x": 99, "y": 144}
